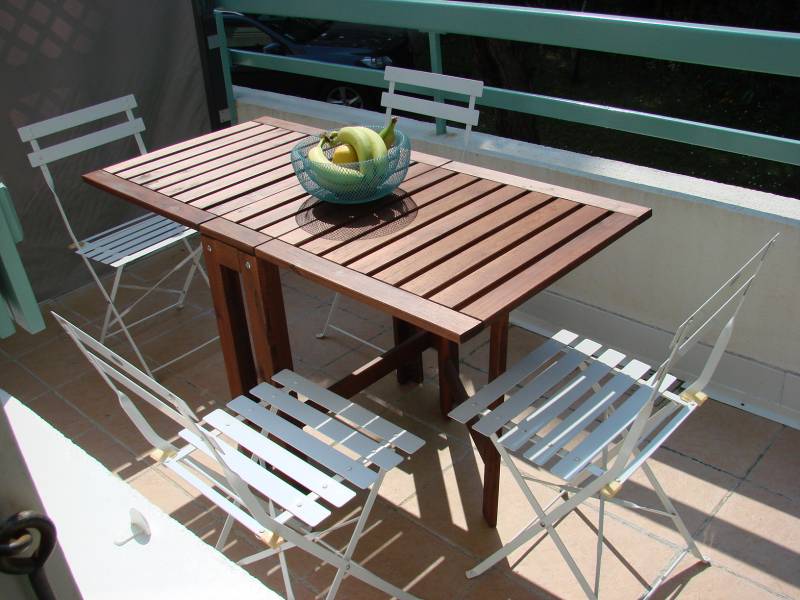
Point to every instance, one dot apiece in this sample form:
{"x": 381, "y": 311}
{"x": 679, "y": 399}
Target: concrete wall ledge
{"x": 636, "y": 292}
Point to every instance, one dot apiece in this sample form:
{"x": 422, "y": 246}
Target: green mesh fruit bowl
{"x": 340, "y": 185}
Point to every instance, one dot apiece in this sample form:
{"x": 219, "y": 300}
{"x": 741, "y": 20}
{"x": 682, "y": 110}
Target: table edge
{"x": 392, "y": 299}
{"x": 178, "y": 211}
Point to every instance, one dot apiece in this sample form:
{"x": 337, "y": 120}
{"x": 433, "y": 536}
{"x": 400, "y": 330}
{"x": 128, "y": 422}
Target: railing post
{"x": 435, "y": 47}
{"x": 225, "y": 57}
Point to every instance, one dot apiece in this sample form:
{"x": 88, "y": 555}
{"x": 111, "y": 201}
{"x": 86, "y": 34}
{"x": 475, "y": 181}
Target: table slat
{"x": 435, "y": 318}
{"x": 541, "y": 274}
{"x": 472, "y": 235}
{"x": 169, "y": 154}
{"x": 462, "y": 290}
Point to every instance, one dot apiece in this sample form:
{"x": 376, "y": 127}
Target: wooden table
{"x": 452, "y": 252}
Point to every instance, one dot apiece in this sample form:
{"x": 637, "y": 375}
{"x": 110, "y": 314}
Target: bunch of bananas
{"x": 360, "y": 159}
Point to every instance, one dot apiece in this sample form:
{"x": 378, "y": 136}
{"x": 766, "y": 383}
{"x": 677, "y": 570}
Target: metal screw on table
{"x": 247, "y": 265}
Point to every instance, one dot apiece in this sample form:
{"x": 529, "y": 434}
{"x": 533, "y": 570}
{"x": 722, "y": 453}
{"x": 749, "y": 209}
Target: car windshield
{"x": 300, "y": 31}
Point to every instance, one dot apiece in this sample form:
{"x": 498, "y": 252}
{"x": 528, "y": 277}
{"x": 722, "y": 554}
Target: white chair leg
{"x": 189, "y": 277}
{"x": 334, "y": 304}
{"x": 600, "y": 542}
{"x": 113, "y": 297}
{"x": 356, "y": 535}
{"x": 691, "y": 546}
{"x": 198, "y": 263}
{"x": 223, "y": 536}
{"x": 543, "y": 520}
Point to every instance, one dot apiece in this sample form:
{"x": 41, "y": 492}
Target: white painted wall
{"x": 634, "y": 293}
{"x": 91, "y": 510}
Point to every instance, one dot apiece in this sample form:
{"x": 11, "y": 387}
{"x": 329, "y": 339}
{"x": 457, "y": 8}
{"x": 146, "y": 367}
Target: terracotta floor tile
{"x": 695, "y": 581}
{"x": 161, "y": 491}
{"x": 724, "y": 437}
{"x": 23, "y": 342}
{"x": 494, "y": 585}
{"x": 19, "y": 381}
{"x": 406, "y": 555}
{"x": 109, "y": 452}
{"x": 60, "y": 414}
{"x": 778, "y": 469}
{"x": 695, "y": 490}
{"x": 520, "y": 343}
{"x": 56, "y": 362}
{"x": 544, "y": 567}
{"x": 756, "y": 534}
{"x": 451, "y": 505}
{"x": 92, "y": 396}
{"x": 183, "y": 337}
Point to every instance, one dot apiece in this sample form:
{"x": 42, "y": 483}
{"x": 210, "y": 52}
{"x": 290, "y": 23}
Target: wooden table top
{"x": 456, "y": 246}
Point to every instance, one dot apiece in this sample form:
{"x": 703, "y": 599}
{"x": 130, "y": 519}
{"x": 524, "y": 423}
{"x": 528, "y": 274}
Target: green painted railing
{"x": 728, "y": 47}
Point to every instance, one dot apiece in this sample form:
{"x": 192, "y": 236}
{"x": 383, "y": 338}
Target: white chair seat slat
{"x": 331, "y": 427}
{"x": 133, "y": 240}
{"x": 317, "y": 450}
{"x": 138, "y": 241}
{"x": 288, "y": 463}
{"x": 553, "y": 375}
{"x": 76, "y": 145}
{"x": 362, "y": 417}
{"x": 269, "y": 485}
{"x": 605, "y": 433}
{"x": 153, "y": 247}
{"x": 561, "y": 400}
{"x": 141, "y": 221}
{"x": 450, "y": 112}
{"x": 590, "y": 409}
{"x": 449, "y": 83}
{"x": 511, "y": 377}
{"x": 77, "y": 117}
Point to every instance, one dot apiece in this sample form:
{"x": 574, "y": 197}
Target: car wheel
{"x": 344, "y": 95}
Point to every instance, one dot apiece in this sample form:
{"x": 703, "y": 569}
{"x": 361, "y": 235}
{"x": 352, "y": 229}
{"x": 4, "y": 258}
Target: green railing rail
{"x": 727, "y": 47}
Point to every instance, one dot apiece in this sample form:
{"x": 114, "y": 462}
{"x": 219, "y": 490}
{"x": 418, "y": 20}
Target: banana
{"x": 354, "y": 144}
{"x": 344, "y": 154}
{"x": 335, "y": 178}
{"x": 370, "y": 149}
{"x": 387, "y": 133}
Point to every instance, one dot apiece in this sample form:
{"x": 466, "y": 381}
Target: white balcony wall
{"x": 635, "y": 293}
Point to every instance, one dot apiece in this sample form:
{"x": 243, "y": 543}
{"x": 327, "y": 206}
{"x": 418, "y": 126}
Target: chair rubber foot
{"x": 320, "y": 336}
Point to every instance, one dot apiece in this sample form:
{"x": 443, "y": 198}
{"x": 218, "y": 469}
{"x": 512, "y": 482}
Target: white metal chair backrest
{"x": 124, "y": 378}
{"x": 43, "y": 156}
{"x": 722, "y": 306}
{"x": 437, "y": 83}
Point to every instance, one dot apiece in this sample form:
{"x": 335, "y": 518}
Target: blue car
{"x": 342, "y": 43}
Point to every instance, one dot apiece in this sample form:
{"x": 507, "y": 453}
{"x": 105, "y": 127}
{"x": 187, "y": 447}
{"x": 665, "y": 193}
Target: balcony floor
{"x": 733, "y": 476}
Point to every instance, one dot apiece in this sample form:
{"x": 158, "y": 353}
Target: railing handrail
{"x": 712, "y": 45}
{"x": 729, "y": 47}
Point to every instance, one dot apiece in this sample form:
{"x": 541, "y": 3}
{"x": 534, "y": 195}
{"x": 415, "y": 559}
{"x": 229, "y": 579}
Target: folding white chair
{"x": 276, "y": 478}
{"x": 437, "y": 84}
{"x": 591, "y": 418}
{"x": 123, "y": 244}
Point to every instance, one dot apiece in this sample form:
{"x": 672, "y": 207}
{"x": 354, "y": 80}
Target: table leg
{"x": 447, "y": 352}
{"x": 269, "y": 333}
{"x": 498, "y": 352}
{"x": 410, "y": 371}
{"x": 222, "y": 265}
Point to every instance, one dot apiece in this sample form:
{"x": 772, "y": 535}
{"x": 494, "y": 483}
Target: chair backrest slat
{"x": 85, "y": 142}
{"x": 76, "y": 118}
{"x": 439, "y": 110}
{"x": 435, "y": 81}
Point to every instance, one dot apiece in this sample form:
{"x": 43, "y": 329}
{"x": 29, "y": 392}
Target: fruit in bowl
{"x": 354, "y": 164}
